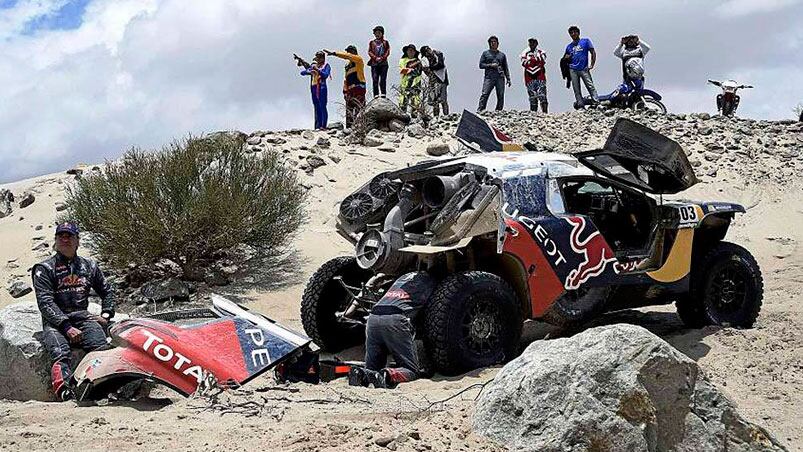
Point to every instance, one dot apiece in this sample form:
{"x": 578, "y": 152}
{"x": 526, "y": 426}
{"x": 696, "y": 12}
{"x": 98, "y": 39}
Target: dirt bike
{"x": 630, "y": 94}
{"x": 728, "y": 101}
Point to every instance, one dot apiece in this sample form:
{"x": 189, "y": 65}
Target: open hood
{"x": 643, "y": 158}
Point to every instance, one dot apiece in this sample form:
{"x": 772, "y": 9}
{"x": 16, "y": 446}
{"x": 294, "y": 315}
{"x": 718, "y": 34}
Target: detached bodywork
{"x": 229, "y": 350}
{"x": 570, "y": 236}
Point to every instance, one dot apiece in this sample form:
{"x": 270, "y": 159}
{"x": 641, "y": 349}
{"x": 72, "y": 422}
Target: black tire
{"x": 324, "y": 297}
{"x": 726, "y": 289}
{"x": 472, "y": 320}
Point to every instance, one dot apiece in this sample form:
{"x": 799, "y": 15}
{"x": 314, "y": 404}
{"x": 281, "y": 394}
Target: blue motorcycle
{"x": 630, "y": 94}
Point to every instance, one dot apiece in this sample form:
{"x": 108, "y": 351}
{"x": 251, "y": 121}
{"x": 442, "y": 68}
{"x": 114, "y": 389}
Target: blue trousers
{"x": 319, "y": 104}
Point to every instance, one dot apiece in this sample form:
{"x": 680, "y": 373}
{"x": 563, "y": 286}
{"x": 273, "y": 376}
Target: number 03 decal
{"x": 688, "y": 216}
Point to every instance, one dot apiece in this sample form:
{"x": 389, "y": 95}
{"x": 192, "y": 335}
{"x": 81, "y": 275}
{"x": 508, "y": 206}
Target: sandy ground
{"x": 761, "y": 369}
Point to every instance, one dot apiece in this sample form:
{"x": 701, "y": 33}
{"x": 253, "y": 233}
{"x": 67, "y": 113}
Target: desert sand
{"x": 761, "y": 368}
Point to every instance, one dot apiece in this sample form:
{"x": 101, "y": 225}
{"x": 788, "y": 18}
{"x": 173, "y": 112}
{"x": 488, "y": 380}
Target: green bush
{"x": 192, "y": 199}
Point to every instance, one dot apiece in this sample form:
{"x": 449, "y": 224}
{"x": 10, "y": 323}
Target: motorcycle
{"x": 630, "y": 94}
{"x": 728, "y": 101}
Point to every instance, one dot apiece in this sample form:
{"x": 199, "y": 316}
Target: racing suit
{"x": 391, "y": 327}
{"x": 62, "y": 293}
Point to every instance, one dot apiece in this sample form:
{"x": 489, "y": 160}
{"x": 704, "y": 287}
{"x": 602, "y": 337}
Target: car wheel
{"x": 472, "y": 320}
{"x": 726, "y": 289}
{"x": 325, "y": 299}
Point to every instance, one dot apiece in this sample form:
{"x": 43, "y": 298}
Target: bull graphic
{"x": 595, "y": 251}
{"x": 71, "y": 281}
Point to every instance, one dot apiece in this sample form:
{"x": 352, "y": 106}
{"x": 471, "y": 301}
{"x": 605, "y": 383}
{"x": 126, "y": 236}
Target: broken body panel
{"x": 227, "y": 351}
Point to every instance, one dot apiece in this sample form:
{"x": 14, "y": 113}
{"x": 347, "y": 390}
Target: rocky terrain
{"x": 755, "y": 163}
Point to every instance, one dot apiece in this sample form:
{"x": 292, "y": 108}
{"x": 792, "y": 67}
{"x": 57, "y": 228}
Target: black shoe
{"x": 357, "y": 377}
{"x": 378, "y": 380}
{"x": 66, "y": 394}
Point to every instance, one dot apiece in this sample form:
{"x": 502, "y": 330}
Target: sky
{"x": 85, "y": 80}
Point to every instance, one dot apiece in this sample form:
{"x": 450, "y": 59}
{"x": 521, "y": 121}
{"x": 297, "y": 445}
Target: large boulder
{"x": 378, "y": 113}
{"x": 611, "y": 388}
{"x": 24, "y": 364}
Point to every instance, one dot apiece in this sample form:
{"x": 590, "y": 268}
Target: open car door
{"x": 642, "y": 158}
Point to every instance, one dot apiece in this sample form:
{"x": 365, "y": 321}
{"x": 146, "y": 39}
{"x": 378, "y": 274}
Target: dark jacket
{"x": 487, "y": 58}
{"x": 62, "y": 288}
{"x": 407, "y": 295}
{"x": 565, "y": 71}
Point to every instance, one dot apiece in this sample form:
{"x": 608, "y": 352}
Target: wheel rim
{"x": 728, "y": 290}
{"x": 649, "y": 104}
{"x": 482, "y": 327}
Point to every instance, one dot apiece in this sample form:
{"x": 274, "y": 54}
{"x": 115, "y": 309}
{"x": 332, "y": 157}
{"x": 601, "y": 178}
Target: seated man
{"x": 391, "y": 330}
{"x": 62, "y": 285}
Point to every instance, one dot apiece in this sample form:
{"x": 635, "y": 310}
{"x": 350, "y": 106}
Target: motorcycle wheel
{"x": 648, "y": 103}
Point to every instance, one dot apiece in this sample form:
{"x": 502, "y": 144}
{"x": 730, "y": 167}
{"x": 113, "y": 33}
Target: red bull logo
{"x": 71, "y": 281}
{"x": 596, "y": 254}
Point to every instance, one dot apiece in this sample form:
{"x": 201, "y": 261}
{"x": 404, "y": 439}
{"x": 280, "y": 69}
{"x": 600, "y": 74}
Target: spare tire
{"x": 472, "y": 320}
{"x": 324, "y": 297}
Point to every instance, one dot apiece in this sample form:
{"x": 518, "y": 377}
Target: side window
{"x": 585, "y": 196}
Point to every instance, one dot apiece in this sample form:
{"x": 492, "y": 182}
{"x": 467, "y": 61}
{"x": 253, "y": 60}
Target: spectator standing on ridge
{"x": 533, "y": 61}
{"x": 391, "y": 330}
{"x": 378, "y": 52}
{"x": 579, "y": 68}
{"x": 354, "y": 82}
{"x": 62, "y": 285}
{"x": 318, "y": 72}
{"x": 631, "y": 50}
{"x": 438, "y": 79}
{"x": 494, "y": 63}
{"x": 410, "y": 85}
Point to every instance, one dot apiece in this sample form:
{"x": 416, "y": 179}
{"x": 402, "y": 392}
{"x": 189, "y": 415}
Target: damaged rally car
{"x": 228, "y": 349}
{"x": 512, "y": 236}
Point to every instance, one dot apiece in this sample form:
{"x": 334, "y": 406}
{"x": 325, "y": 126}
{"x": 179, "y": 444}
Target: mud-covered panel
{"x": 525, "y": 196}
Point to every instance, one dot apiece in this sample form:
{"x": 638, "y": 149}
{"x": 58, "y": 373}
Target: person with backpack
{"x": 378, "y": 53}
{"x": 435, "y": 68}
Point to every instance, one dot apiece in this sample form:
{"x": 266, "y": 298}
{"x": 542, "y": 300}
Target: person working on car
{"x": 391, "y": 330}
{"x": 62, "y": 285}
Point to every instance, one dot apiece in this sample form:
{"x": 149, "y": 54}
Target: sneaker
{"x": 357, "y": 376}
{"x": 378, "y": 380}
{"x": 66, "y": 394}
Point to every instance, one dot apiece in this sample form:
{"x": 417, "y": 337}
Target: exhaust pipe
{"x": 438, "y": 190}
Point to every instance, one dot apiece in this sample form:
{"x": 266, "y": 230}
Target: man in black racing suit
{"x": 62, "y": 285}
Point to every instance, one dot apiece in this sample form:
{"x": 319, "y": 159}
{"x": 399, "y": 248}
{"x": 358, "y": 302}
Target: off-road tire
{"x": 456, "y": 301}
{"x": 323, "y": 296}
{"x": 700, "y": 306}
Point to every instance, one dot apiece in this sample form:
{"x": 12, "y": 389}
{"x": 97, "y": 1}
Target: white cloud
{"x": 736, "y": 8}
{"x": 141, "y": 72}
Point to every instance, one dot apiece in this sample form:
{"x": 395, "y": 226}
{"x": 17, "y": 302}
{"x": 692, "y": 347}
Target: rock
{"x": 416, "y": 131}
{"x": 6, "y": 203}
{"x": 335, "y": 158}
{"x": 371, "y": 141}
{"x": 24, "y": 364}
{"x": 386, "y": 148}
{"x": 165, "y": 289}
{"x": 38, "y": 227}
{"x": 396, "y": 125}
{"x": 379, "y": 111}
{"x": 216, "y": 277}
{"x": 383, "y": 441}
{"x": 323, "y": 142}
{"x": 704, "y": 116}
{"x": 41, "y": 247}
{"x": 315, "y": 161}
{"x": 60, "y": 206}
{"x": 616, "y": 387}
{"x": 75, "y": 171}
{"x": 275, "y": 140}
{"x": 308, "y": 135}
{"x": 27, "y": 200}
{"x": 438, "y": 149}
{"x": 253, "y": 140}
{"x": 19, "y": 289}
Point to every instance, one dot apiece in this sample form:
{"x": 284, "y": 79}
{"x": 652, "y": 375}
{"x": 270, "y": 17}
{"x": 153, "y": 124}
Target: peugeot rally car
{"x": 512, "y": 236}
